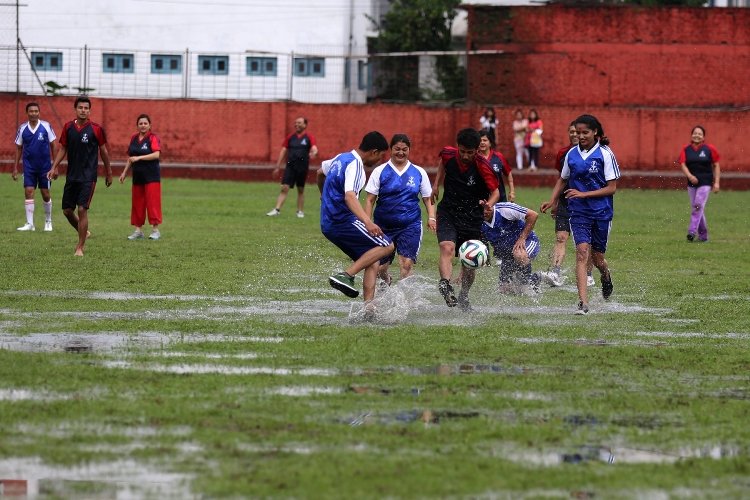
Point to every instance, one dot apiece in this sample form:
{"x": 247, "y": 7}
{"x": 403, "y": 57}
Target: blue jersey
{"x": 399, "y": 194}
{"x": 343, "y": 173}
{"x": 36, "y": 146}
{"x": 588, "y": 171}
{"x": 507, "y": 223}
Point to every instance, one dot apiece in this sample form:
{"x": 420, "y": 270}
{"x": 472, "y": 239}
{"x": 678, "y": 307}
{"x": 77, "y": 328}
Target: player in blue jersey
{"x": 591, "y": 172}
{"x": 297, "y": 150}
{"x": 469, "y": 183}
{"x": 343, "y": 220}
{"x": 700, "y": 164}
{"x": 35, "y": 143}
{"x": 508, "y": 227}
{"x": 397, "y": 187}
{"x": 83, "y": 141}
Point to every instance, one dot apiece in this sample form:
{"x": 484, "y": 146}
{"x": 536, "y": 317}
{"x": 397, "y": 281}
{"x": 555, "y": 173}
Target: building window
{"x": 47, "y": 61}
{"x": 309, "y": 66}
{"x": 260, "y": 66}
{"x": 213, "y": 65}
{"x": 166, "y": 63}
{"x": 117, "y": 63}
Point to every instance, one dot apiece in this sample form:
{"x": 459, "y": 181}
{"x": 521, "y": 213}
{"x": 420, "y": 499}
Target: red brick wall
{"x": 610, "y": 56}
{"x": 238, "y": 132}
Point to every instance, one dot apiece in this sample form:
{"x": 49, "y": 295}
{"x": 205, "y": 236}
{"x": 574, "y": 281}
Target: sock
{"x": 48, "y": 210}
{"x": 30, "y": 212}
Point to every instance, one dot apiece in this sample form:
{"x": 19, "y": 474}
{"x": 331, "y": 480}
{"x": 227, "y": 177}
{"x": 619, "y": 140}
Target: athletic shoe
{"x": 446, "y": 290}
{"x": 532, "y": 168}
{"x": 48, "y": 226}
{"x": 690, "y": 237}
{"x": 590, "y": 281}
{"x": 137, "y": 235}
{"x": 274, "y": 212}
{"x": 607, "y": 285}
{"x": 27, "y": 227}
{"x": 344, "y": 284}
{"x": 300, "y": 214}
{"x": 465, "y": 306}
{"x": 155, "y": 235}
{"x": 552, "y": 278}
{"x": 582, "y": 310}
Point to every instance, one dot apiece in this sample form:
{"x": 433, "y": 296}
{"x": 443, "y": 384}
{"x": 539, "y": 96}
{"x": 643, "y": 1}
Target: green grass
{"x": 230, "y": 312}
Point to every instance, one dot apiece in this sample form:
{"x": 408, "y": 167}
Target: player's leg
{"x": 599, "y": 239}
{"x": 44, "y": 189}
{"x": 408, "y": 242}
{"x": 83, "y": 228}
{"x": 29, "y": 186}
{"x": 153, "y": 208}
{"x": 581, "y": 231}
{"x": 301, "y": 179}
{"x": 694, "y": 214}
{"x": 70, "y": 195}
{"x": 288, "y": 181}
{"x": 699, "y": 205}
{"x": 137, "y": 210}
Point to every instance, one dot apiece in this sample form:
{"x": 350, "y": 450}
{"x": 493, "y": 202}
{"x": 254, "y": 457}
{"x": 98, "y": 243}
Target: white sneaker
{"x": 48, "y": 226}
{"x": 27, "y": 227}
{"x": 137, "y": 235}
{"x": 155, "y": 235}
{"x": 300, "y": 214}
{"x": 274, "y": 212}
{"x": 552, "y": 278}
{"x": 590, "y": 281}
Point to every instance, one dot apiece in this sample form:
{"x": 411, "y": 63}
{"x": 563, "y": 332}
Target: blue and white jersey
{"x": 399, "y": 194}
{"x": 345, "y": 172}
{"x": 506, "y": 225}
{"x": 35, "y": 143}
{"x": 588, "y": 171}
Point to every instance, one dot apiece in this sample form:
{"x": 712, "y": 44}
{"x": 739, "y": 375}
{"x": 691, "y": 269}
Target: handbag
{"x": 535, "y": 141}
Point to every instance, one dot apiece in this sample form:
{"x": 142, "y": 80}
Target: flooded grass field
{"x": 217, "y": 362}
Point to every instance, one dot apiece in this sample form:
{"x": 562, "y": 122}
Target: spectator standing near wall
{"x": 298, "y": 148}
{"x": 700, "y": 164}
{"x": 489, "y": 122}
{"x": 520, "y": 129}
{"x": 534, "y": 139}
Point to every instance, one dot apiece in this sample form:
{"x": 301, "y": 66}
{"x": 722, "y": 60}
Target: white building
{"x": 234, "y": 49}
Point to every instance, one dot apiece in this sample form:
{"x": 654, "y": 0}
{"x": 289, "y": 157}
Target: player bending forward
{"x": 509, "y": 229}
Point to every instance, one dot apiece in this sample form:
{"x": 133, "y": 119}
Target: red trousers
{"x": 146, "y": 198}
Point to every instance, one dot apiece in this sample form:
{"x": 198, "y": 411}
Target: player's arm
{"x": 552, "y": 203}
{"x": 717, "y": 175}
{"x": 685, "y": 170}
{"x": 439, "y": 178}
{"x": 61, "y": 152}
{"x": 352, "y": 202}
{"x": 104, "y": 153}
{"x": 19, "y": 150}
{"x": 494, "y": 198}
{"x": 370, "y": 204}
{"x": 320, "y": 177}
{"x": 511, "y": 189}
{"x": 313, "y": 151}
{"x": 279, "y": 162}
{"x": 607, "y": 190}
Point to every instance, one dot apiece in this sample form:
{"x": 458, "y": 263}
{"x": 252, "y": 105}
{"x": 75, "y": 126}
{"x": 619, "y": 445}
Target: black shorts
{"x": 562, "y": 216}
{"x": 295, "y": 175}
{"x": 450, "y": 229}
{"x": 78, "y": 194}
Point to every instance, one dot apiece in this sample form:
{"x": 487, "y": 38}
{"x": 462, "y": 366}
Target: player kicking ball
{"x": 343, "y": 219}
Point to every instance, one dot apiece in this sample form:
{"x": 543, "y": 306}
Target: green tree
{"x": 416, "y": 25}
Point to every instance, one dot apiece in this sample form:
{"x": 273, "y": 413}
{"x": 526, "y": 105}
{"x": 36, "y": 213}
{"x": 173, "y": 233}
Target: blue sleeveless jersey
{"x": 398, "y": 195}
{"x": 588, "y": 171}
{"x": 343, "y": 173}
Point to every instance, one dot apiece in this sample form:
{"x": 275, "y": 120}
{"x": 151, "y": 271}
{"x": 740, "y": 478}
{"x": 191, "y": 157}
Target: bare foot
{"x": 79, "y": 252}
{"x": 88, "y": 234}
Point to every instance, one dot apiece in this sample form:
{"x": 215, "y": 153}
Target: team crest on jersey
{"x": 41, "y": 136}
{"x": 303, "y": 142}
{"x": 85, "y": 138}
{"x": 411, "y": 182}
{"x": 471, "y": 181}
{"x": 145, "y": 146}
{"x": 702, "y": 154}
{"x": 594, "y": 167}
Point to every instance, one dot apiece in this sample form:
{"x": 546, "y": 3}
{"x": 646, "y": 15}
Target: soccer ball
{"x": 473, "y": 254}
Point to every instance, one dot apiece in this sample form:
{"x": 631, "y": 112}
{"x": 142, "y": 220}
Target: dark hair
{"x": 81, "y": 98}
{"x": 536, "y": 113}
{"x": 303, "y": 119}
{"x": 486, "y": 133}
{"x": 468, "y": 138}
{"x": 488, "y": 109}
{"x": 143, "y": 115}
{"x": 700, "y": 127}
{"x": 30, "y": 105}
{"x": 373, "y": 140}
{"x": 400, "y": 138}
{"x": 591, "y": 122}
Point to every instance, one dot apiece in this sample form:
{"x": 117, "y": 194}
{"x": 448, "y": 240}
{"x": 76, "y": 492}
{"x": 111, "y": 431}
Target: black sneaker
{"x": 344, "y": 283}
{"x": 582, "y": 310}
{"x": 607, "y": 285}
{"x": 446, "y": 290}
{"x": 691, "y": 237}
